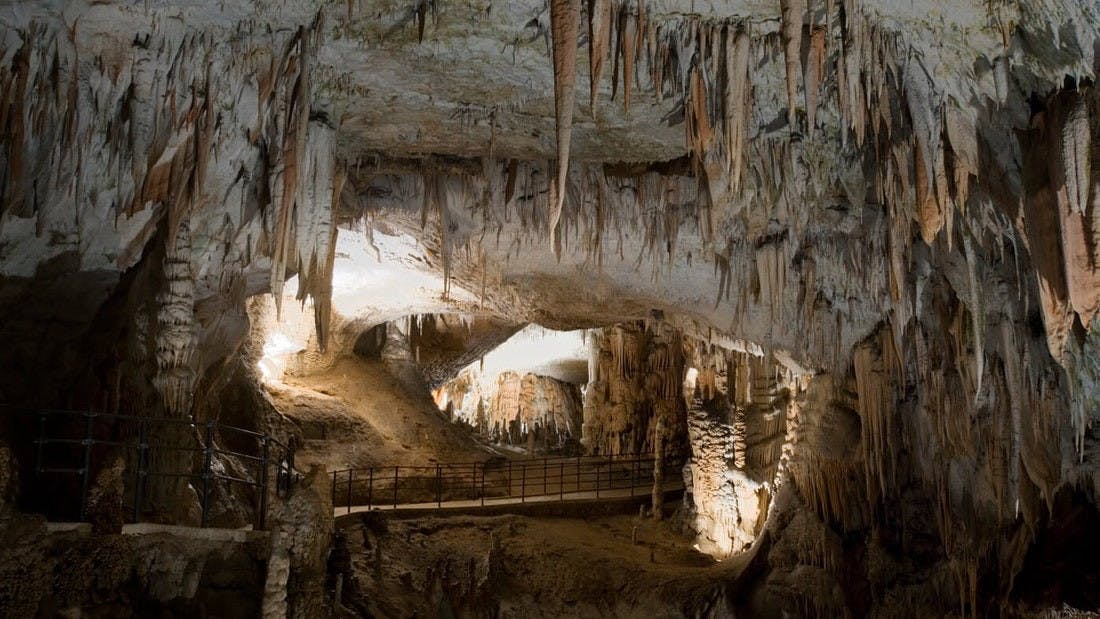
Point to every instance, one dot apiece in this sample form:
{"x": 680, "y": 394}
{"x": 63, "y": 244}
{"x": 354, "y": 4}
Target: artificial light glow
{"x": 277, "y": 348}
{"x": 537, "y": 350}
{"x": 690, "y": 378}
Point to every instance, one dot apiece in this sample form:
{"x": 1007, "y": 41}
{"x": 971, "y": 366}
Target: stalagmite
{"x": 564, "y": 25}
{"x": 175, "y": 331}
{"x": 658, "y": 467}
{"x": 793, "y": 13}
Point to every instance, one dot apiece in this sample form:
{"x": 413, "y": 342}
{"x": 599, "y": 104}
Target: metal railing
{"x": 498, "y": 481}
{"x": 78, "y": 444}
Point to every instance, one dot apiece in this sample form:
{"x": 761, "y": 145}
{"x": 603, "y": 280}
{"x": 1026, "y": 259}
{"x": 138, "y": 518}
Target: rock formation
{"x": 897, "y": 199}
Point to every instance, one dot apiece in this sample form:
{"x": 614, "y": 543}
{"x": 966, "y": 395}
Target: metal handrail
{"x": 391, "y": 486}
{"x": 78, "y": 455}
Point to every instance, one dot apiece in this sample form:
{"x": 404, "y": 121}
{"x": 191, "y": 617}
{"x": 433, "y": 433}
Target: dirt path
{"x": 358, "y": 414}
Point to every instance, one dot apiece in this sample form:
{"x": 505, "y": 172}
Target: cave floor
{"x": 360, "y": 414}
{"x": 520, "y": 566}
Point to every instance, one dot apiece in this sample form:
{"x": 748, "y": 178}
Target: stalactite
{"x": 564, "y": 25}
{"x": 874, "y": 365}
{"x": 962, "y": 138}
{"x": 928, "y": 212}
{"x": 1015, "y": 388}
{"x": 793, "y": 14}
{"x": 814, "y": 72}
{"x": 1076, "y": 150}
{"x": 285, "y": 192}
{"x": 697, "y": 123}
{"x": 850, "y": 73}
{"x": 599, "y": 43}
{"x": 629, "y": 39}
{"x": 976, "y": 313}
{"x": 1001, "y": 72}
{"x": 315, "y": 226}
{"x": 736, "y": 104}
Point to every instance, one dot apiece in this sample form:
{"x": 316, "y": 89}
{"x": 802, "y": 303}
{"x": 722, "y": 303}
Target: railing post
{"x": 597, "y": 479}
{"x": 86, "y": 471}
{"x": 483, "y": 484}
{"x": 473, "y": 482}
{"x": 610, "y": 472}
{"x": 395, "y": 487}
{"x": 438, "y": 486}
{"x": 523, "y": 484}
{"x": 545, "y": 462}
{"x": 509, "y": 478}
{"x": 579, "y": 474}
{"x": 264, "y": 462}
{"x": 633, "y": 463}
{"x": 561, "y": 480}
{"x": 334, "y": 489}
{"x": 370, "y": 488}
{"x": 139, "y": 468}
{"x": 351, "y": 472}
{"x": 207, "y": 458}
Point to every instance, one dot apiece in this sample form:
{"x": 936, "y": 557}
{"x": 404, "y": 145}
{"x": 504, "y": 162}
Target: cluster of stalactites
{"x": 638, "y": 392}
{"x": 473, "y": 209}
{"x": 306, "y": 185}
{"x": 155, "y": 134}
{"x": 523, "y": 406}
{"x": 674, "y": 56}
{"x": 877, "y": 369}
{"x": 704, "y": 64}
{"x": 116, "y": 133}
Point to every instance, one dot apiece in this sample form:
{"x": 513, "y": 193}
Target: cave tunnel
{"x": 549, "y": 308}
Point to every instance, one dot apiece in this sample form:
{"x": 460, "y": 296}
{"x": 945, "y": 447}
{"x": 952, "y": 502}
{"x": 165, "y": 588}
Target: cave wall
{"x": 896, "y": 196}
{"x": 174, "y": 151}
{"x": 634, "y": 401}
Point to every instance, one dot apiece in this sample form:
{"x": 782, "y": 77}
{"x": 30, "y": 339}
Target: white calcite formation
{"x": 744, "y": 410}
{"x": 898, "y": 198}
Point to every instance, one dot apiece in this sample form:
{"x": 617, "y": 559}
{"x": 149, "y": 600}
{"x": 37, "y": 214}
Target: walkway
{"x": 500, "y": 482}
